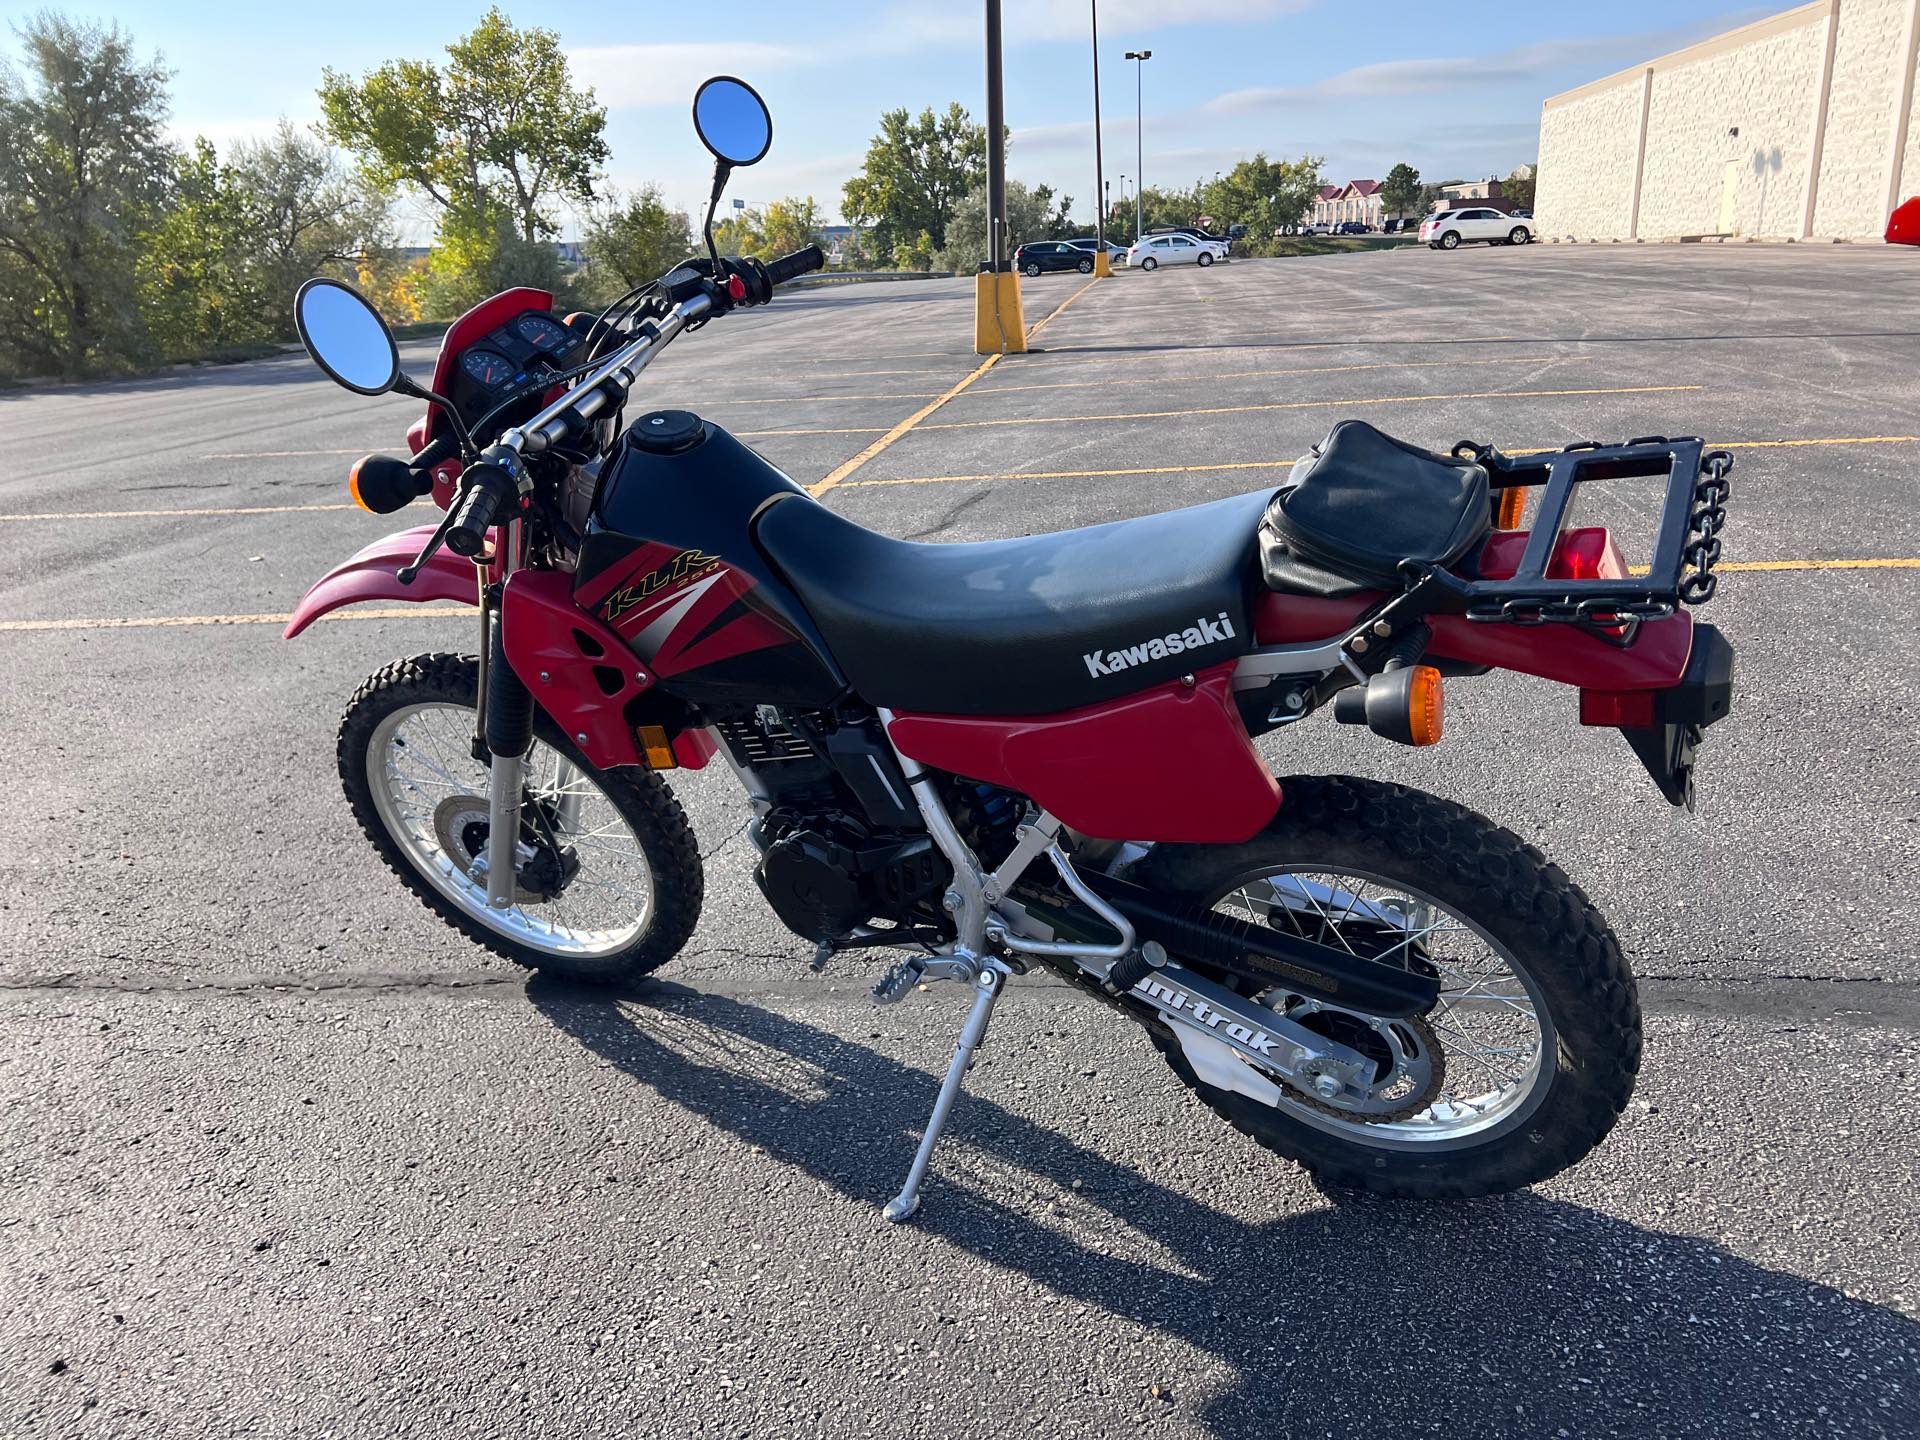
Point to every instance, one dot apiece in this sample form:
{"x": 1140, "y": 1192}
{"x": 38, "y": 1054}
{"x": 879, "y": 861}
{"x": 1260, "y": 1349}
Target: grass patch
{"x": 1335, "y": 244}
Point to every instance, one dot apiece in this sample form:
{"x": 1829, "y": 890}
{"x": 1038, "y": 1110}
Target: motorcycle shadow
{"x": 1518, "y": 1315}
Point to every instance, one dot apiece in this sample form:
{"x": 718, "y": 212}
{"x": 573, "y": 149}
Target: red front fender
{"x": 371, "y": 575}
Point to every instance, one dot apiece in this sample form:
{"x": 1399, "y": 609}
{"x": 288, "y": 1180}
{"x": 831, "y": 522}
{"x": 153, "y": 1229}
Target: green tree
{"x": 306, "y": 214}
{"x": 787, "y": 225}
{"x": 199, "y": 289}
{"x": 81, "y": 162}
{"x": 500, "y": 129}
{"x": 1400, "y": 191}
{"x": 1031, "y": 215}
{"x": 478, "y": 251}
{"x": 631, "y": 242}
{"x": 1263, "y": 195}
{"x": 1518, "y": 187}
{"x": 916, "y": 173}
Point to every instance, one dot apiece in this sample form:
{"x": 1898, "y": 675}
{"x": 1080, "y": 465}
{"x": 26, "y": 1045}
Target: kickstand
{"x": 986, "y": 990}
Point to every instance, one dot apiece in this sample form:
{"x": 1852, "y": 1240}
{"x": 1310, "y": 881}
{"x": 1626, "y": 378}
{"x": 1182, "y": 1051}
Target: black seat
{"x": 1361, "y": 503}
{"x": 1022, "y": 627}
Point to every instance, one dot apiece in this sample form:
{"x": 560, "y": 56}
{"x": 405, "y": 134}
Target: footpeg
{"x": 898, "y": 982}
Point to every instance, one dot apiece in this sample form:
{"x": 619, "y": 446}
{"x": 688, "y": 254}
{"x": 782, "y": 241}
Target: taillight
{"x": 1620, "y": 709}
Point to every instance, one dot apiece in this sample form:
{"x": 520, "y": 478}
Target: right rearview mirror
{"x": 346, "y": 337}
{"x": 732, "y": 121}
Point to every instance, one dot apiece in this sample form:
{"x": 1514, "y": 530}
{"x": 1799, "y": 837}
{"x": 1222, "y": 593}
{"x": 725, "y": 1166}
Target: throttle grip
{"x": 484, "y": 490}
{"x": 791, "y": 267}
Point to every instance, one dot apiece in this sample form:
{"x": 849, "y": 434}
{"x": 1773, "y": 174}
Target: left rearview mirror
{"x": 346, "y": 337}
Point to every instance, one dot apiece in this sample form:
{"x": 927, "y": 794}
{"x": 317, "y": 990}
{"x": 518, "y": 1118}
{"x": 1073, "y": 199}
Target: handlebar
{"x": 489, "y": 487}
{"x": 792, "y": 267}
{"x": 484, "y": 490}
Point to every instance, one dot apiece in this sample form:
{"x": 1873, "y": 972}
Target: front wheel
{"x": 1206, "y": 258}
{"x": 608, "y": 881}
{"x": 1518, "y": 235}
{"x": 1528, "y": 1057}
{"x": 1086, "y": 267}
{"x": 1033, "y": 272}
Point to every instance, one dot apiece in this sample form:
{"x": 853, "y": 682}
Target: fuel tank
{"x": 669, "y": 563}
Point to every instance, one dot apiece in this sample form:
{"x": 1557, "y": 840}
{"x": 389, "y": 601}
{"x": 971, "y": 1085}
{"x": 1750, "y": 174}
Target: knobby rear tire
{"x": 1481, "y": 872}
{"x": 642, "y": 799}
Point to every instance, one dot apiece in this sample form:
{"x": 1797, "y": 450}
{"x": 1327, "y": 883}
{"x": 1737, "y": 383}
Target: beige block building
{"x": 1797, "y": 127}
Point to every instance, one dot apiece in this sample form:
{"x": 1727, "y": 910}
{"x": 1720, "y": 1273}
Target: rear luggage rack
{"x": 1684, "y": 552}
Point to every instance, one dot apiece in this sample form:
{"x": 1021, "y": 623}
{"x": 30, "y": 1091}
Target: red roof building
{"x": 1356, "y": 200}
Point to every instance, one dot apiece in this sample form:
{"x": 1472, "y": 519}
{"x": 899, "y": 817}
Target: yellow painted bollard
{"x": 998, "y": 325}
{"x": 1102, "y": 265}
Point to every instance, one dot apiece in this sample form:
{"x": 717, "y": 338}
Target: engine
{"x": 826, "y": 873}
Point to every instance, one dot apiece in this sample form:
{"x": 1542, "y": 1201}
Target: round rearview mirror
{"x": 346, "y": 337}
{"x": 732, "y": 120}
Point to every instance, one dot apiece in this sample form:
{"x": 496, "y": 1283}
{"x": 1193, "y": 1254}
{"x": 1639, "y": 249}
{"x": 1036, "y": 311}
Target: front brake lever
{"x": 409, "y": 573}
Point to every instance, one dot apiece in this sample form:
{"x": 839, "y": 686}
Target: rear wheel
{"x": 1450, "y": 240}
{"x": 1530, "y": 1054}
{"x": 1149, "y": 263}
{"x": 608, "y": 881}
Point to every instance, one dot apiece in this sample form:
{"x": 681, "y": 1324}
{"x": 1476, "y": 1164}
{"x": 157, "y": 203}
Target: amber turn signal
{"x": 656, "y": 747}
{"x": 1509, "y": 505}
{"x": 1426, "y": 706}
{"x": 1406, "y": 705}
{"x": 381, "y": 484}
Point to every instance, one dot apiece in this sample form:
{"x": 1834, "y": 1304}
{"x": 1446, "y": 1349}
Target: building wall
{"x": 1588, "y": 149}
{"x": 1662, "y": 132}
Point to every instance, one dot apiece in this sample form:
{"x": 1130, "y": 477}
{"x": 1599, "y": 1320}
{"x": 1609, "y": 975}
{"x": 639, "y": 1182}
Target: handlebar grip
{"x": 791, "y": 267}
{"x": 484, "y": 490}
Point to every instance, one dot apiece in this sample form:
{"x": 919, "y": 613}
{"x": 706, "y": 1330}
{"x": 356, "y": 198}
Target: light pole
{"x": 997, "y": 322}
{"x": 1101, "y": 264}
{"x": 1139, "y": 139}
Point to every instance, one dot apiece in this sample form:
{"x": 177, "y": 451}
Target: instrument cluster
{"x": 531, "y": 344}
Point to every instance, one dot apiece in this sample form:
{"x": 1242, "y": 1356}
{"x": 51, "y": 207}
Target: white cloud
{"x": 639, "y": 75}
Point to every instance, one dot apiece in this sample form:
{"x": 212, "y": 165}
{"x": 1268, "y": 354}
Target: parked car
{"x": 1353, "y": 227}
{"x": 1319, "y": 227}
{"x": 1521, "y": 214}
{"x": 1453, "y": 228}
{"x": 1038, "y": 256}
{"x": 1179, "y": 249}
{"x": 1090, "y": 246}
{"x": 1220, "y": 244}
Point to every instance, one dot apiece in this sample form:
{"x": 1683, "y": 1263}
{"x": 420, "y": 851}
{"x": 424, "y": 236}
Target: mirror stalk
{"x": 721, "y": 171}
{"x": 407, "y": 385}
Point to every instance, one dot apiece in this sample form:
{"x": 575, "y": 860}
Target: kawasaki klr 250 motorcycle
{"x": 1024, "y": 753}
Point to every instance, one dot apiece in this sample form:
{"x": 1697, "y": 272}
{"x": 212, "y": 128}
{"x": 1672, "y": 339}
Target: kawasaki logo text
{"x": 1201, "y": 632}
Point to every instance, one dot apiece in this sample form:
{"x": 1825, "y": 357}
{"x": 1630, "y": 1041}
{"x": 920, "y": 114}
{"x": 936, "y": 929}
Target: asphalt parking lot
{"x": 280, "y": 1155}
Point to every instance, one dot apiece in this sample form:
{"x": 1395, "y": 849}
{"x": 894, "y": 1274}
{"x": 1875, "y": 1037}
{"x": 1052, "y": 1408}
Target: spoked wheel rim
{"x": 584, "y": 888}
{"x": 1493, "y": 1028}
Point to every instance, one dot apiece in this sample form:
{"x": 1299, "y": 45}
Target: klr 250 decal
{"x": 687, "y": 565}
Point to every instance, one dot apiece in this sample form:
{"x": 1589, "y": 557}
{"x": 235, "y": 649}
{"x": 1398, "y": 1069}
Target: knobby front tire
{"x": 650, "y": 880}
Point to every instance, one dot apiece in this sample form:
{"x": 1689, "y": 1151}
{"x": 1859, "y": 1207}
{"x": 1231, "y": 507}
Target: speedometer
{"x": 489, "y": 367}
{"x": 544, "y": 334}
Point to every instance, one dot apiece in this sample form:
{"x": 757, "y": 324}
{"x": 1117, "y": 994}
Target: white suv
{"x": 1448, "y": 231}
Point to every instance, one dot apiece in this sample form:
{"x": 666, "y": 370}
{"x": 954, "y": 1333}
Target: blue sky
{"x": 1451, "y": 86}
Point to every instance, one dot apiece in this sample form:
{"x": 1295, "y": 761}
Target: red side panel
{"x": 577, "y": 667}
{"x": 1656, "y": 659}
{"x": 489, "y": 315}
{"x": 1167, "y": 764}
{"x": 680, "y": 609}
{"x": 372, "y": 575}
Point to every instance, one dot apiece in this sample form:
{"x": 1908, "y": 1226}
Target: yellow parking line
{"x": 204, "y": 510}
{"x": 1353, "y": 401}
{"x": 1270, "y": 374}
{"x": 274, "y": 454}
{"x": 840, "y": 472}
{"x": 443, "y": 612}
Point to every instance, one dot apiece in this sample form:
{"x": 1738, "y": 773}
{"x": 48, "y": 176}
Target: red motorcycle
{"x": 1031, "y": 752}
